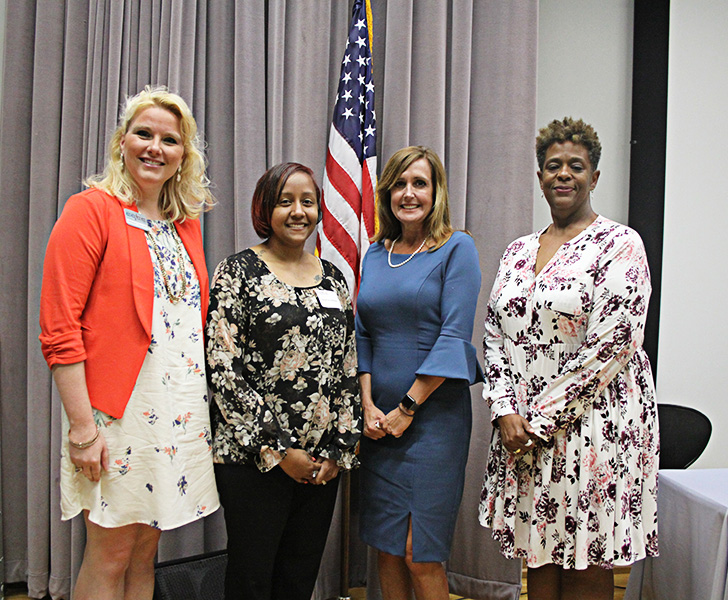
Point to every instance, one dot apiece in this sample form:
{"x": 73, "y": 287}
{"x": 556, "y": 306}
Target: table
{"x": 692, "y": 512}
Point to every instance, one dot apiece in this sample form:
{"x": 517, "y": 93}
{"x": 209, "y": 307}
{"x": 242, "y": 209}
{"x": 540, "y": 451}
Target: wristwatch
{"x": 408, "y": 403}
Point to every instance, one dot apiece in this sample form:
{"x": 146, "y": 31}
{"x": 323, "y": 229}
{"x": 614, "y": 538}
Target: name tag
{"x": 136, "y": 220}
{"x": 329, "y": 299}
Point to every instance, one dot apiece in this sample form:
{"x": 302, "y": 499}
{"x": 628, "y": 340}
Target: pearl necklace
{"x": 411, "y": 256}
{"x": 180, "y": 262}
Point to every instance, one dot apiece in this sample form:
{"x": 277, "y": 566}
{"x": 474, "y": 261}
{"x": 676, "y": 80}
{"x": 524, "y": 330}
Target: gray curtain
{"x": 260, "y": 76}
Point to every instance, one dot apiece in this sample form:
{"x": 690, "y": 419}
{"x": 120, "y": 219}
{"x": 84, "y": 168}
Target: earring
{"x": 179, "y": 173}
{"x": 121, "y": 155}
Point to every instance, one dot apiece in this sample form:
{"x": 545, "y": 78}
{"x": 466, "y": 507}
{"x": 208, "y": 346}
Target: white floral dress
{"x": 160, "y": 459}
{"x": 564, "y": 349}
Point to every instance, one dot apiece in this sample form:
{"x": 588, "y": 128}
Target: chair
{"x": 199, "y": 577}
{"x": 684, "y": 434}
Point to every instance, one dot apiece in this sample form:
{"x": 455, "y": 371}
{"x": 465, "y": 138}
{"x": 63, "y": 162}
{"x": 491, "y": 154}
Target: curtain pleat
{"x": 261, "y": 79}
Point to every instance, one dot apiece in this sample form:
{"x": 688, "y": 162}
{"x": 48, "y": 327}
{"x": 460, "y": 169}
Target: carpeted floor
{"x": 621, "y": 575}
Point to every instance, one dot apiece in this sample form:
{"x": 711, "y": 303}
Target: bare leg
{"x": 593, "y": 583}
{"x": 139, "y": 580}
{"x": 428, "y": 578}
{"x": 544, "y": 583}
{"x": 394, "y": 577}
{"x": 106, "y": 563}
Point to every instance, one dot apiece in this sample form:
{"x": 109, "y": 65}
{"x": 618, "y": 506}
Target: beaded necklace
{"x": 411, "y": 256}
{"x": 180, "y": 261}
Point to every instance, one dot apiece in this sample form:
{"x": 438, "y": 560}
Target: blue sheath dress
{"x": 418, "y": 320}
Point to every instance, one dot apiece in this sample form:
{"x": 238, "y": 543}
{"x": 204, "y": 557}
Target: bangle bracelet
{"x": 405, "y": 413}
{"x": 83, "y": 445}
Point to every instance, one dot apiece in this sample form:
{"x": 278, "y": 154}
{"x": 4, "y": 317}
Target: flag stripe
{"x": 349, "y": 181}
{"x": 340, "y": 239}
{"x": 342, "y": 183}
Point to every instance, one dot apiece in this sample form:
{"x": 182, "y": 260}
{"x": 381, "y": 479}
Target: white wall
{"x": 693, "y": 349}
{"x": 585, "y": 70}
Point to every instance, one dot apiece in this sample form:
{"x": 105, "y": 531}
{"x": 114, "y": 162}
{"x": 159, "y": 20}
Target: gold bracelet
{"x": 84, "y": 445}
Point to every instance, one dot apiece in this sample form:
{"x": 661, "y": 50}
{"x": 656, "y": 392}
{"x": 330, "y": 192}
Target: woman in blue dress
{"x": 414, "y": 325}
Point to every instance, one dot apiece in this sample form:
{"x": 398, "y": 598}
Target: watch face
{"x": 409, "y": 403}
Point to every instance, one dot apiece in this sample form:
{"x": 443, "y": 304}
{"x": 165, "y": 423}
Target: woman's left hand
{"x": 396, "y": 422}
{"x": 329, "y": 470}
{"x": 517, "y": 434}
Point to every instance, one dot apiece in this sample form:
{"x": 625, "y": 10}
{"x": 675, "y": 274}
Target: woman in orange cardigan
{"x": 124, "y": 299}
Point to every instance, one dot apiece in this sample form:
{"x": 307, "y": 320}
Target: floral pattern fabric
{"x": 564, "y": 349}
{"x": 160, "y": 452}
{"x": 282, "y": 366}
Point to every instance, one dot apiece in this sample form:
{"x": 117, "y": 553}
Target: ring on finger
{"x": 378, "y": 425}
{"x": 78, "y": 469}
{"x": 529, "y": 443}
{"x": 323, "y": 482}
{"x": 517, "y": 451}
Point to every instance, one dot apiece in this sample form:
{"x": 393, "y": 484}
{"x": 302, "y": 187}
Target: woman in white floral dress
{"x": 571, "y": 482}
{"x": 286, "y": 414}
{"x": 123, "y": 305}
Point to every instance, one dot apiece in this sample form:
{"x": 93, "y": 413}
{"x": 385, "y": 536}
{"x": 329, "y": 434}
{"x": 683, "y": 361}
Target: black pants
{"x": 277, "y": 531}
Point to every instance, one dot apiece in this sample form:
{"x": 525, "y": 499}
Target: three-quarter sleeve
{"x": 252, "y": 422}
{"x": 453, "y": 356}
{"x": 75, "y": 249}
{"x": 615, "y": 330}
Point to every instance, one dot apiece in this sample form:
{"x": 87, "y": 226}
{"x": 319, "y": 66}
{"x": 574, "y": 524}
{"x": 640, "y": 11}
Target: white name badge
{"x": 136, "y": 220}
{"x": 328, "y": 299}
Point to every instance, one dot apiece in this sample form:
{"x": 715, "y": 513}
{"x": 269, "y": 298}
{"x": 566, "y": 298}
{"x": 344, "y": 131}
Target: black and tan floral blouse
{"x": 281, "y": 364}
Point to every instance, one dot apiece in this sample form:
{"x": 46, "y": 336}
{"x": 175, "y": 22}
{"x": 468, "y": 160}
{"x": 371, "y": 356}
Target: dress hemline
{"x": 206, "y": 513}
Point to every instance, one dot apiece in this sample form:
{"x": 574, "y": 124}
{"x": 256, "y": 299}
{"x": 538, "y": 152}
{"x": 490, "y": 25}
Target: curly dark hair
{"x": 568, "y": 129}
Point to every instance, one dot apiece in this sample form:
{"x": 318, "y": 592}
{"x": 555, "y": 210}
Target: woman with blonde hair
{"x": 416, "y": 308}
{"x": 123, "y": 303}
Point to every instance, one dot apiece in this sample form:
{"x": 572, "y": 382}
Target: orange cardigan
{"x": 97, "y": 296}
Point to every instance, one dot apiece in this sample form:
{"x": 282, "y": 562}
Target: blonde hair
{"x": 188, "y": 197}
{"x": 437, "y": 223}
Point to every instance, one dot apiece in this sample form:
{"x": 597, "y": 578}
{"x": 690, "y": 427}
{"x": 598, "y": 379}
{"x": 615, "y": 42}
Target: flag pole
{"x": 345, "y": 535}
{"x": 347, "y": 193}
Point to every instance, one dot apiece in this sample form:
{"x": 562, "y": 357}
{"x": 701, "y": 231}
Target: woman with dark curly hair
{"x": 286, "y": 417}
{"x": 571, "y": 482}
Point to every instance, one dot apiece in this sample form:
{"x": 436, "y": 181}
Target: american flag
{"x": 350, "y": 177}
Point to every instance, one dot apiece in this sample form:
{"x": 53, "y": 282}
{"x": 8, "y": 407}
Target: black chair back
{"x": 199, "y": 577}
{"x": 684, "y": 434}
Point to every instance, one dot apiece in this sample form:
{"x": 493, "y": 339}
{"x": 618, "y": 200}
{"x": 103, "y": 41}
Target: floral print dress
{"x": 282, "y": 366}
{"x": 160, "y": 459}
{"x": 564, "y": 349}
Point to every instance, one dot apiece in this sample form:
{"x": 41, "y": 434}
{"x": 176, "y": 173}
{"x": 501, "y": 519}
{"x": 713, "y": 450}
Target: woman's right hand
{"x": 299, "y": 465}
{"x": 516, "y": 433}
{"x": 373, "y": 421}
{"x": 89, "y": 461}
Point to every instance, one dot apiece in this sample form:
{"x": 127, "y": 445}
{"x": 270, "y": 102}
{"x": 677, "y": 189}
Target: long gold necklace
{"x": 180, "y": 261}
